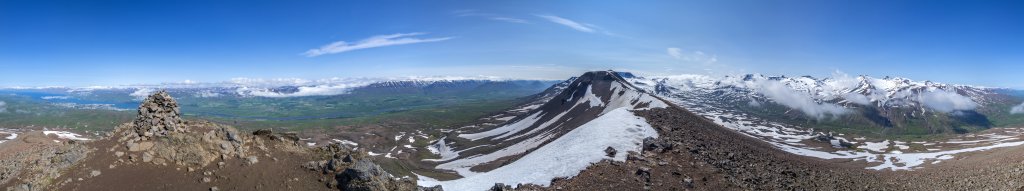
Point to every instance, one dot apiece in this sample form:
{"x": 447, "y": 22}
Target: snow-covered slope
{"x": 557, "y": 139}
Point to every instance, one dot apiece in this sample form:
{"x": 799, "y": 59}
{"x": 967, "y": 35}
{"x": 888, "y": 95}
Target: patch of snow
{"x": 441, "y": 149}
{"x": 66, "y": 135}
{"x": 347, "y": 142}
{"x": 589, "y": 97}
{"x": 877, "y": 147}
{"x": 505, "y": 118}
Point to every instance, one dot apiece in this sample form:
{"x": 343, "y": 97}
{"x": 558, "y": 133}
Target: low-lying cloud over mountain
{"x": 782, "y": 94}
{"x": 944, "y": 101}
{"x": 1017, "y": 109}
{"x": 319, "y": 90}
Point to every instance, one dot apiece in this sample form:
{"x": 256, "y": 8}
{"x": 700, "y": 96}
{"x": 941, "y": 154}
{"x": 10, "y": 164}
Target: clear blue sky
{"x": 108, "y": 42}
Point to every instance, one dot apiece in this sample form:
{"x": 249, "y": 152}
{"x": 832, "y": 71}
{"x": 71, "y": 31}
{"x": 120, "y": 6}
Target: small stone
{"x": 146, "y": 157}
{"x": 688, "y": 182}
{"x": 206, "y": 179}
{"x": 252, "y": 160}
{"x": 214, "y": 189}
{"x": 160, "y": 161}
{"x": 118, "y": 153}
{"x": 610, "y": 151}
{"x": 190, "y": 169}
{"x": 225, "y": 145}
{"x": 135, "y": 147}
{"x": 94, "y": 173}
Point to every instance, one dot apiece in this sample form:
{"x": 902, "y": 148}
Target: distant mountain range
{"x": 856, "y": 104}
{"x": 887, "y": 106}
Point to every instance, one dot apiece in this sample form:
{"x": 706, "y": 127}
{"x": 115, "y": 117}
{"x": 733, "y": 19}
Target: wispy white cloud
{"x": 569, "y": 23}
{"x": 490, "y": 16}
{"x": 510, "y": 19}
{"x": 466, "y": 12}
{"x": 1017, "y": 109}
{"x": 372, "y": 42}
{"x": 675, "y": 52}
{"x": 692, "y": 56}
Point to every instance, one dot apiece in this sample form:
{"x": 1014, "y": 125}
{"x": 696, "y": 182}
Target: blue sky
{"x": 108, "y": 42}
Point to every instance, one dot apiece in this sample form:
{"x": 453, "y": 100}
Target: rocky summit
{"x": 160, "y": 151}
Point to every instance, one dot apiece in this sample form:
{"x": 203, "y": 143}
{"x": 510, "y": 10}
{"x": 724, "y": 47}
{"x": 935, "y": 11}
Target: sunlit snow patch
{"x": 66, "y": 135}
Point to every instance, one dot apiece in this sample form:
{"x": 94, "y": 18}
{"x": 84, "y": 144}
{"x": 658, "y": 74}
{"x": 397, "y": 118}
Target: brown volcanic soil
{"x": 705, "y": 156}
{"x": 283, "y": 174}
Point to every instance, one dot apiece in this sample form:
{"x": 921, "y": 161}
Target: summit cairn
{"x": 158, "y": 116}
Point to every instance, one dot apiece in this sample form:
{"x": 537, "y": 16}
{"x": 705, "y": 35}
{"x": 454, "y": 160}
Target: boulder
{"x": 433, "y": 188}
{"x": 143, "y": 146}
{"x": 500, "y": 187}
{"x": 364, "y": 175}
{"x": 610, "y": 152}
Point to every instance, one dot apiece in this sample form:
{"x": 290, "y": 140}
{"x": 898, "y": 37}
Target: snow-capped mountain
{"x": 564, "y": 134}
{"x": 856, "y": 102}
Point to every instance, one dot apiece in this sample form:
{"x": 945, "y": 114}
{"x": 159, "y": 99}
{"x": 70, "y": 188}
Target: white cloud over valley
{"x": 1017, "y": 109}
{"x": 782, "y": 94}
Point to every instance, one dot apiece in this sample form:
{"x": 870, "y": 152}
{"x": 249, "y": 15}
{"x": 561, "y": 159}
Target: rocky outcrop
{"x": 159, "y": 136}
{"x": 40, "y": 164}
{"x": 350, "y": 170}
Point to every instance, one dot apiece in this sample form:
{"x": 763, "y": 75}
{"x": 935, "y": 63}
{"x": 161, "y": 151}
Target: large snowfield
{"x": 565, "y": 156}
